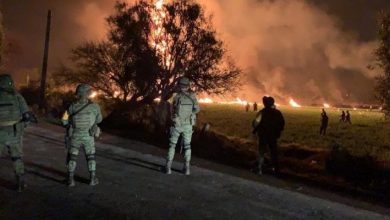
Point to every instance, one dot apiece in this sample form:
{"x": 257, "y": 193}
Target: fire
{"x": 326, "y": 105}
{"x": 237, "y": 101}
{"x": 93, "y": 95}
{"x": 294, "y": 103}
{"x": 159, "y": 39}
{"x": 159, "y": 4}
{"x": 206, "y": 100}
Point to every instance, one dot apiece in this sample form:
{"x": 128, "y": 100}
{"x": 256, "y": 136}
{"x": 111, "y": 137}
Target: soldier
{"x": 184, "y": 107}
{"x": 14, "y": 115}
{"x": 81, "y": 120}
{"x": 324, "y": 122}
{"x": 247, "y": 106}
{"x": 268, "y": 124}
{"x": 255, "y": 106}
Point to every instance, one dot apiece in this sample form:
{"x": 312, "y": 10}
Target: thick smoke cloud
{"x": 291, "y": 48}
{"x": 287, "y": 48}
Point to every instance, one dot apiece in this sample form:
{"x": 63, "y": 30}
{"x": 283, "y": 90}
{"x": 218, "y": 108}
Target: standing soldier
{"x": 14, "y": 115}
{"x": 247, "y": 106}
{"x": 81, "y": 120}
{"x": 268, "y": 124}
{"x": 184, "y": 107}
{"x": 324, "y": 122}
{"x": 255, "y": 106}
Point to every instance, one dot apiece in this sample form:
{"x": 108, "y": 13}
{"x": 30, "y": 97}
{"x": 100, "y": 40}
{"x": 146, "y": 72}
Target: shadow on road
{"x": 131, "y": 161}
{"x": 40, "y": 170}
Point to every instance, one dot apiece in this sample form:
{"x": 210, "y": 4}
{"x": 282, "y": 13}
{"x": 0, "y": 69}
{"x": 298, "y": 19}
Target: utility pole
{"x": 42, "y": 103}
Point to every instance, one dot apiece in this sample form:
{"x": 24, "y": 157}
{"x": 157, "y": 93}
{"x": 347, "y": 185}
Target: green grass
{"x": 368, "y": 134}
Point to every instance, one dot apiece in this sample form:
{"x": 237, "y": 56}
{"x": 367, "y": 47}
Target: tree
{"x": 1, "y": 39}
{"x": 148, "y": 48}
{"x": 383, "y": 61}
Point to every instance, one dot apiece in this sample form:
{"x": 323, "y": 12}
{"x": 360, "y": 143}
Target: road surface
{"x": 132, "y": 186}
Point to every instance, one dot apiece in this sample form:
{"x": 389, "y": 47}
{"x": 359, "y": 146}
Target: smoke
{"x": 291, "y": 48}
{"x": 287, "y": 48}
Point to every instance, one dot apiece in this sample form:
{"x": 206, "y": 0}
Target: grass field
{"x": 369, "y": 133}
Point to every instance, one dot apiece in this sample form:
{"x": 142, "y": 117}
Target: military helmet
{"x": 6, "y": 81}
{"x": 83, "y": 90}
{"x": 184, "y": 82}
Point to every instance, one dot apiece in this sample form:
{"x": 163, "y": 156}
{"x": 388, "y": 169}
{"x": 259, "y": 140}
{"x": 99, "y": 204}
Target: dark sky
{"x": 77, "y": 21}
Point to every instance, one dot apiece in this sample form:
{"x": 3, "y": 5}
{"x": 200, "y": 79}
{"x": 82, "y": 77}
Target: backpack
{"x": 9, "y": 109}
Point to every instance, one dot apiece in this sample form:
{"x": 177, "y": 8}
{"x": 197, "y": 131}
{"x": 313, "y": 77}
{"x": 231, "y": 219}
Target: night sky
{"x": 77, "y": 21}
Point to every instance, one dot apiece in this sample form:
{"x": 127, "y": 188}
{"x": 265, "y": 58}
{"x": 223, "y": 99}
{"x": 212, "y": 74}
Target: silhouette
{"x": 348, "y": 118}
{"x": 255, "y": 107}
{"x": 247, "y": 107}
{"x": 342, "y": 117}
{"x": 324, "y": 122}
{"x": 268, "y": 124}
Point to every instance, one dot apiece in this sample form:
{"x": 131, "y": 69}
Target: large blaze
{"x": 159, "y": 39}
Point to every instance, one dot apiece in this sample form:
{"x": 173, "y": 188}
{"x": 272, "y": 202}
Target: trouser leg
{"x": 187, "y": 136}
{"x": 174, "y": 137}
{"x": 262, "y": 149}
{"x": 16, "y": 151}
{"x": 274, "y": 154}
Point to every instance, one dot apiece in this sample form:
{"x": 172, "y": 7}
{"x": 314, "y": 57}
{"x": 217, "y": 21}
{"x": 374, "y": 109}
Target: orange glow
{"x": 159, "y": 38}
{"x": 93, "y": 95}
{"x": 206, "y": 100}
{"x": 294, "y": 103}
{"x": 326, "y": 105}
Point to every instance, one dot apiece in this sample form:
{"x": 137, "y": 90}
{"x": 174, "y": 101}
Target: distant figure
{"x": 324, "y": 122}
{"x": 268, "y": 124}
{"x": 255, "y": 107}
{"x": 247, "y": 107}
{"x": 348, "y": 118}
{"x": 342, "y": 117}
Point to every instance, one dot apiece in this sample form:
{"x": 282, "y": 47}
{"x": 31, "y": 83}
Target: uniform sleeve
{"x": 22, "y": 103}
{"x": 196, "y": 108}
{"x": 99, "y": 116}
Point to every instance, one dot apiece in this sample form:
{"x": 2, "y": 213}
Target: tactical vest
{"x": 9, "y": 109}
{"x": 184, "y": 107}
{"x": 83, "y": 120}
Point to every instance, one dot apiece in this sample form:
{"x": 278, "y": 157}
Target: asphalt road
{"x": 132, "y": 186}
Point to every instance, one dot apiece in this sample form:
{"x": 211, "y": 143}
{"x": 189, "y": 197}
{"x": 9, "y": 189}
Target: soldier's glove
{"x": 95, "y": 131}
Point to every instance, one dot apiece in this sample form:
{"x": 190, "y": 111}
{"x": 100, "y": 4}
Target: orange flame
{"x": 206, "y": 100}
{"x": 326, "y": 105}
{"x": 294, "y": 103}
{"x": 93, "y": 95}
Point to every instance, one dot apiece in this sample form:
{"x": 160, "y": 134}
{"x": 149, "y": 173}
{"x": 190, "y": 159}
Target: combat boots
{"x": 93, "y": 179}
{"x": 186, "y": 168}
{"x": 168, "y": 167}
{"x": 70, "y": 180}
{"x": 21, "y": 184}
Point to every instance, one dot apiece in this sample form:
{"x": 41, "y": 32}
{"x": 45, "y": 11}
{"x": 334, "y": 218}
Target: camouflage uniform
{"x": 80, "y": 119}
{"x": 13, "y": 108}
{"x": 184, "y": 109}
